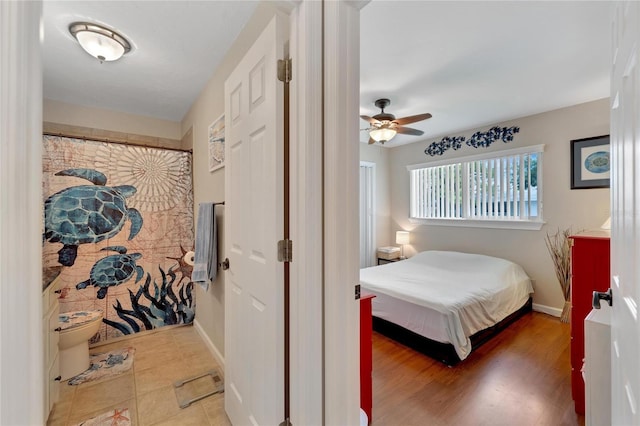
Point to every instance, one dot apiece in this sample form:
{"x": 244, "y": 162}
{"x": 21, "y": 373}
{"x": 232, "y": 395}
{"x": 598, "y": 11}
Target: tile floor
{"x": 161, "y": 358}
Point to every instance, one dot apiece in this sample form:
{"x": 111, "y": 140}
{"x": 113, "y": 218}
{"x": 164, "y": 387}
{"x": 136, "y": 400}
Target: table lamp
{"x": 402, "y": 238}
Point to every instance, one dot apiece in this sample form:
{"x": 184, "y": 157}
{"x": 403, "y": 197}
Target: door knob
{"x": 601, "y": 295}
{"x": 225, "y": 264}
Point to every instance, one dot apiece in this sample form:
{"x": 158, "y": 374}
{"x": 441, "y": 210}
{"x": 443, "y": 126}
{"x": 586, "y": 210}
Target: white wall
{"x": 380, "y": 156}
{"x": 104, "y": 119}
{"x": 208, "y": 187}
{"x": 563, "y": 207}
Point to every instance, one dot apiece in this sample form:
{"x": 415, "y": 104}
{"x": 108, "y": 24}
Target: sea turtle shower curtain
{"x": 117, "y": 223}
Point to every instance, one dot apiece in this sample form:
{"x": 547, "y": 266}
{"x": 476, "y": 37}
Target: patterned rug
{"x": 106, "y": 364}
{"x": 117, "y": 417}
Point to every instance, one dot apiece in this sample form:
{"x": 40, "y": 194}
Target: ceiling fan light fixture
{"x": 100, "y": 42}
{"x": 384, "y": 126}
{"x": 382, "y": 134}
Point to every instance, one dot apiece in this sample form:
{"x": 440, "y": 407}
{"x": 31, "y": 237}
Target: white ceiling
{"x": 478, "y": 63}
{"x": 469, "y": 64}
{"x": 176, "y": 47}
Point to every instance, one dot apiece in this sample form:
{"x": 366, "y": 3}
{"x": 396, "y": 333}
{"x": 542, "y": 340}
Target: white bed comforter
{"x": 468, "y": 292}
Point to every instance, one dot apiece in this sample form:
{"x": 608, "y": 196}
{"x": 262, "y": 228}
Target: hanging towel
{"x": 205, "y": 265}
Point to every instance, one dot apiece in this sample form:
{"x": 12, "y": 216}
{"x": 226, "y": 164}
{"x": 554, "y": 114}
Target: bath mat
{"x": 199, "y": 387}
{"x": 117, "y": 417}
{"x": 106, "y": 364}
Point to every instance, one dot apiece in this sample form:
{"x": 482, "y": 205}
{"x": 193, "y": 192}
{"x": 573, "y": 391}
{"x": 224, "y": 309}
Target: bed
{"x": 445, "y": 303}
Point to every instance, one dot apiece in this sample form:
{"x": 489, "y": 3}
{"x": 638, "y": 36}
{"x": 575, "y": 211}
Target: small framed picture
{"x": 590, "y": 163}
{"x": 216, "y": 144}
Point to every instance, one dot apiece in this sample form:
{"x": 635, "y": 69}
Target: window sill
{"x": 528, "y": 225}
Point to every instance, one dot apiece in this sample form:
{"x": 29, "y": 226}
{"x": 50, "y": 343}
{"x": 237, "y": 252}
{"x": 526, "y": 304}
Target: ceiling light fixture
{"x": 382, "y": 133}
{"x": 100, "y": 42}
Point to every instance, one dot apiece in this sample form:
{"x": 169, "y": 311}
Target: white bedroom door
{"x": 625, "y": 230}
{"x": 254, "y": 330}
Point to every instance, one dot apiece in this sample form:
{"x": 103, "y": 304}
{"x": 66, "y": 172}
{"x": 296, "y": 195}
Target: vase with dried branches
{"x": 559, "y": 248}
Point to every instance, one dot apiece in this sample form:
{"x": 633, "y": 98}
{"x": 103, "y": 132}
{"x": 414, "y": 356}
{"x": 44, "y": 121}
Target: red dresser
{"x": 366, "y": 360}
{"x": 590, "y": 271}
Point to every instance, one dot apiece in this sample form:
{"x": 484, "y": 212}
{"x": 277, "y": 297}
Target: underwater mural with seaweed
{"x": 166, "y": 307}
{"x": 116, "y": 220}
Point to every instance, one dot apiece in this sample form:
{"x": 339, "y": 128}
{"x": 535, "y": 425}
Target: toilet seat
{"x": 70, "y": 320}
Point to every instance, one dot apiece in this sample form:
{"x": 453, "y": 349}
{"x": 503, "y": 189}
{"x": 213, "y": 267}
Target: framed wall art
{"x": 590, "y": 163}
{"x": 216, "y": 144}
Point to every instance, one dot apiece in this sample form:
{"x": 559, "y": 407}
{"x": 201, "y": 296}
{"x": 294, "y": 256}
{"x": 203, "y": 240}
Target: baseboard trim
{"x": 212, "y": 348}
{"x": 547, "y": 310}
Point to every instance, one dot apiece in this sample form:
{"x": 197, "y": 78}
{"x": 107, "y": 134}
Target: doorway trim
{"x": 21, "y": 329}
{"x": 306, "y": 307}
{"x": 367, "y": 214}
{"x": 341, "y": 243}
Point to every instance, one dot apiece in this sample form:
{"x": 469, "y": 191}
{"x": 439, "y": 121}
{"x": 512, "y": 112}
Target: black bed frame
{"x": 444, "y": 352}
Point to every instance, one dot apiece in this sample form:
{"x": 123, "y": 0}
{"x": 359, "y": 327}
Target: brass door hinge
{"x": 284, "y": 70}
{"x": 285, "y": 251}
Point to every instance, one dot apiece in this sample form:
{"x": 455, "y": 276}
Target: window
{"x": 498, "y": 189}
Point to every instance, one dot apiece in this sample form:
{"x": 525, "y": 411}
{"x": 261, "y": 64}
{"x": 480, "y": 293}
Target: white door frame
{"x": 21, "y": 331}
{"x": 341, "y": 175}
{"x": 306, "y": 307}
{"x": 324, "y": 178}
{"x": 367, "y": 214}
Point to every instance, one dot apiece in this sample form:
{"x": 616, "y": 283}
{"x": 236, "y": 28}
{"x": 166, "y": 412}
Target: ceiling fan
{"x": 383, "y": 127}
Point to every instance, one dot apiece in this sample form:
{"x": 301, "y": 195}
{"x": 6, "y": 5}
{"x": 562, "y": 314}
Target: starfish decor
{"x": 184, "y": 268}
{"x": 118, "y": 416}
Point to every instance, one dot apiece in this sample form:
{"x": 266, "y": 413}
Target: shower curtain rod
{"x": 97, "y": 139}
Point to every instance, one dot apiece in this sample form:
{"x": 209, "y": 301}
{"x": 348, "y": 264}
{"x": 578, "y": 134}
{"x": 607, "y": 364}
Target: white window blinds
{"x": 506, "y": 186}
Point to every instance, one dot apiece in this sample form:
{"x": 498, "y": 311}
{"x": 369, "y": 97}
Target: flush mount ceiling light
{"x": 100, "y": 42}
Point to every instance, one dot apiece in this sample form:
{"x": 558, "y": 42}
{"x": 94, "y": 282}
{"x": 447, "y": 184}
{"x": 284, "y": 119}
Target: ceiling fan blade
{"x": 409, "y": 131}
{"x": 412, "y": 119}
{"x": 369, "y": 119}
{"x": 371, "y": 141}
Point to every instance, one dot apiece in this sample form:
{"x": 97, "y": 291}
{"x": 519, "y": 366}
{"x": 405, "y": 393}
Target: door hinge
{"x": 284, "y": 70}
{"x": 285, "y": 251}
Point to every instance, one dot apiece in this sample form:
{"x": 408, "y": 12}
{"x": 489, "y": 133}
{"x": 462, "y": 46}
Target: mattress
{"x": 447, "y": 296}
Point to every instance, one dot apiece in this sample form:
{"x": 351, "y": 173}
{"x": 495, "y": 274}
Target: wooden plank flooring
{"x": 521, "y": 377}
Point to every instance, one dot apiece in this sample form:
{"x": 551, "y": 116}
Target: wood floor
{"x": 521, "y": 377}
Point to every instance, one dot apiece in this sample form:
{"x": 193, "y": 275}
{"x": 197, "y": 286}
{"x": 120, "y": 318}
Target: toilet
{"x": 76, "y": 328}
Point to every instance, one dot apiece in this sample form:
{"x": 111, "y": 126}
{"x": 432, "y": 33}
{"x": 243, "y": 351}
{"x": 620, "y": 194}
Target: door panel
{"x": 253, "y": 225}
{"x": 625, "y": 230}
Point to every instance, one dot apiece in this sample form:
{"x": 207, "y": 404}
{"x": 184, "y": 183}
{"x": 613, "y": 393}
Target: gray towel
{"x": 205, "y": 265}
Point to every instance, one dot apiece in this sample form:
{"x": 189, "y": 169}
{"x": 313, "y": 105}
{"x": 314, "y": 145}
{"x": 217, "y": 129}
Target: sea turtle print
{"x": 113, "y": 270}
{"x": 87, "y": 213}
